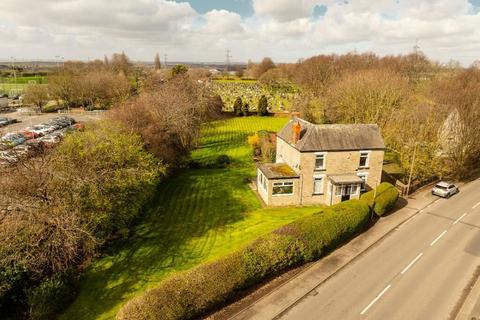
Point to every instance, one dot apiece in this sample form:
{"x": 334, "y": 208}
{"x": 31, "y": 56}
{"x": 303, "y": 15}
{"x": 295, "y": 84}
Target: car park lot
{"x": 24, "y": 139}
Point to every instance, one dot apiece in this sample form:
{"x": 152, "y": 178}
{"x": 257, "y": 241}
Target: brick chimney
{"x": 297, "y": 128}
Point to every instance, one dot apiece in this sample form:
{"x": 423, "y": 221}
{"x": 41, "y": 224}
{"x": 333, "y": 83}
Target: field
{"x": 279, "y": 99}
{"x": 198, "y": 215}
{"x": 8, "y": 85}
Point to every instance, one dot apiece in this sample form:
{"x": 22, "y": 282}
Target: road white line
{"x": 475, "y": 206}
{"x": 376, "y": 299}
{"x": 411, "y": 263}
{"x": 461, "y": 217}
{"x": 438, "y": 238}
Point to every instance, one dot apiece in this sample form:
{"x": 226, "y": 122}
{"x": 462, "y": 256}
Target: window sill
{"x": 318, "y": 194}
{"x": 319, "y": 170}
{"x": 363, "y": 168}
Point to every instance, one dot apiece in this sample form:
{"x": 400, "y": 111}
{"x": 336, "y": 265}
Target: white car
{"x": 40, "y": 130}
{"x": 445, "y": 189}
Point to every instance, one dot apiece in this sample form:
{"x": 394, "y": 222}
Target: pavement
{"x": 413, "y": 264}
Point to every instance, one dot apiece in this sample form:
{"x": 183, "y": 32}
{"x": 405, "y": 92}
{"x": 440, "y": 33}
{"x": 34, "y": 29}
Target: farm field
{"x": 251, "y": 91}
{"x": 197, "y": 216}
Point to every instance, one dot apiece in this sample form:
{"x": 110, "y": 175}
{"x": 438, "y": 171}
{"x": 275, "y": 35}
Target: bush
{"x": 222, "y": 161}
{"x": 193, "y": 293}
{"x": 52, "y": 296}
{"x": 245, "y": 109}
{"x": 386, "y": 197}
{"x": 238, "y": 106}
{"x": 263, "y": 106}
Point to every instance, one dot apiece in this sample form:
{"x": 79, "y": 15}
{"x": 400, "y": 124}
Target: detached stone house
{"x": 322, "y": 164}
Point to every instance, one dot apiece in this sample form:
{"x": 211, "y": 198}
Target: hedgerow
{"x": 197, "y": 291}
{"x": 385, "y": 198}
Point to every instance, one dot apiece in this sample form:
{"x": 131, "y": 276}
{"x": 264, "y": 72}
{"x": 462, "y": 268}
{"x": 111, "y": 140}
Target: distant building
{"x": 322, "y": 164}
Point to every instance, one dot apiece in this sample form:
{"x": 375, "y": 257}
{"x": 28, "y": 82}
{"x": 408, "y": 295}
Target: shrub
{"x": 245, "y": 109}
{"x": 52, "y": 296}
{"x": 263, "y": 106}
{"x": 238, "y": 106}
{"x": 193, "y": 293}
{"x": 324, "y": 231}
{"x": 385, "y": 199}
{"x": 222, "y": 161}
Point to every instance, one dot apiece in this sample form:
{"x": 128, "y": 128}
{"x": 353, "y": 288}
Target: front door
{"x": 346, "y": 191}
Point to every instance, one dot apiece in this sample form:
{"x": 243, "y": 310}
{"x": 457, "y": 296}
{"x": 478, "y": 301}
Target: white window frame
{"x": 367, "y": 163}
{"x": 363, "y": 175}
{"x": 322, "y": 177}
{"x": 339, "y": 189}
{"x": 283, "y": 184}
{"x": 324, "y": 155}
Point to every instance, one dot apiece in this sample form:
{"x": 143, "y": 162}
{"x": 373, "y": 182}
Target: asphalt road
{"x": 417, "y": 272}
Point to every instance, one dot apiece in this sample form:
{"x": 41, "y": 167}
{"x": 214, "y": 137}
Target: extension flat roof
{"x": 277, "y": 171}
{"x": 345, "y": 179}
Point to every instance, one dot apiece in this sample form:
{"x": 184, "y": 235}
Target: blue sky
{"x": 242, "y": 7}
{"x": 203, "y": 30}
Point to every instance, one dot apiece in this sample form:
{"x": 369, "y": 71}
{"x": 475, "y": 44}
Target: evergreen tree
{"x": 245, "y": 109}
{"x": 263, "y": 106}
{"x": 237, "y": 107}
{"x": 158, "y": 64}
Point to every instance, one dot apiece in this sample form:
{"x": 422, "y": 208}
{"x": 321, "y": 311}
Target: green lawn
{"x": 197, "y": 216}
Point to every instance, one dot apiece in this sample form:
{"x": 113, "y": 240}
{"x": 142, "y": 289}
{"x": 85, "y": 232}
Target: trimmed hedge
{"x": 193, "y": 293}
{"x": 386, "y": 197}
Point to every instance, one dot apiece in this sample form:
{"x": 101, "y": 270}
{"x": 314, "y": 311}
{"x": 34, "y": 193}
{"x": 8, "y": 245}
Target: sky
{"x": 203, "y": 30}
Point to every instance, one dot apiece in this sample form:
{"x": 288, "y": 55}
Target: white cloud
{"x": 282, "y": 29}
{"x": 284, "y": 10}
{"x": 223, "y": 22}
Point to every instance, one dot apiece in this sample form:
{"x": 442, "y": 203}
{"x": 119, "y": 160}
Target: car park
{"x": 445, "y": 189}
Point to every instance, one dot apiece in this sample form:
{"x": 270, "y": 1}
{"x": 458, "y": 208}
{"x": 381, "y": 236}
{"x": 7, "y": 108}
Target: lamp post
{"x": 14, "y": 73}
{"x": 411, "y": 168}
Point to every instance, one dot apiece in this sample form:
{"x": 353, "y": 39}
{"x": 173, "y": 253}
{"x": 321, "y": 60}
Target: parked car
{"x": 29, "y": 134}
{"x": 445, "y": 189}
{"x": 41, "y": 130}
{"x": 7, "y": 157}
{"x": 13, "y": 139}
{"x": 50, "y": 140}
{"x": 6, "y": 121}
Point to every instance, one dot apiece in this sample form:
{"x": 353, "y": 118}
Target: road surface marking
{"x": 438, "y": 238}
{"x": 458, "y": 220}
{"x": 411, "y": 263}
{"x": 475, "y": 206}
{"x": 376, "y": 299}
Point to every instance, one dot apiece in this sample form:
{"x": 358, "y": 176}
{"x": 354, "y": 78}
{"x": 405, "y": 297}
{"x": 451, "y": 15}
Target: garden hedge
{"x": 195, "y": 292}
{"x": 385, "y": 199}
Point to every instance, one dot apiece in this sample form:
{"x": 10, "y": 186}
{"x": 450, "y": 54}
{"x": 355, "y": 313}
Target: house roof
{"x": 278, "y": 171}
{"x": 333, "y": 137}
{"x": 344, "y": 179}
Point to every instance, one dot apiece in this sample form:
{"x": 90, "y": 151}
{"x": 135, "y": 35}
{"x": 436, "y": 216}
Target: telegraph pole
{"x": 165, "y": 56}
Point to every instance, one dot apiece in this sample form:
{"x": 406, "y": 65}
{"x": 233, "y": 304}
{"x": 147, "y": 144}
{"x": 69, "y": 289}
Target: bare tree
{"x": 37, "y": 95}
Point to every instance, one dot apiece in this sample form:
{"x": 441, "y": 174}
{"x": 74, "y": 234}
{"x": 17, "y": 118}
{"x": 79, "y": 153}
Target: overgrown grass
{"x": 197, "y": 216}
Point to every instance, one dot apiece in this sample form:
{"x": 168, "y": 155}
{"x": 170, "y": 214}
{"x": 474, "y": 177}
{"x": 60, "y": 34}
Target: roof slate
{"x": 334, "y": 137}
